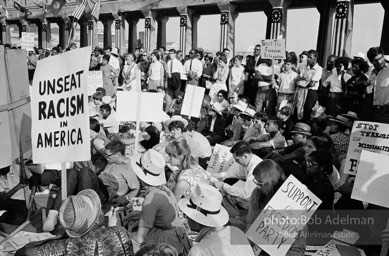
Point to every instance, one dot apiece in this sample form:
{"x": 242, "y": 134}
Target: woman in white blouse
{"x": 156, "y": 72}
{"x": 131, "y": 74}
{"x": 221, "y": 74}
{"x": 237, "y": 76}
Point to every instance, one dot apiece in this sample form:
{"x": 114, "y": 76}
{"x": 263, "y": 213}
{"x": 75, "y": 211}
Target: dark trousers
{"x": 381, "y": 114}
{"x": 174, "y": 85}
{"x": 250, "y": 89}
{"x": 334, "y": 104}
{"x": 16, "y": 211}
{"x": 310, "y": 102}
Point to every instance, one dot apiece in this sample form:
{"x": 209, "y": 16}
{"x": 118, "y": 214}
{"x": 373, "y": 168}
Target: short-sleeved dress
{"x": 159, "y": 213}
{"x": 193, "y": 176}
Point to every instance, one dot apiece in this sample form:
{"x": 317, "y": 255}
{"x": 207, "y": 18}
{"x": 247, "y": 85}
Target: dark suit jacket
{"x": 250, "y": 65}
{"x": 218, "y": 128}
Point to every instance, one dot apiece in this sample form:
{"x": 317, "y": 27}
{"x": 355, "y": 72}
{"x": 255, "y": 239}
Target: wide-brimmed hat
{"x": 341, "y": 120}
{"x": 360, "y": 55}
{"x": 351, "y": 115}
{"x": 107, "y": 100}
{"x": 215, "y": 106}
{"x": 240, "y": 105}
{"x": 205, "y": 206}
{"x": 115, "y": 52}
{"x": 302, "y": 128}
{"x": 149, "y": 167}
{"x": 79, "y": 213}
{"x": 176, "y": 118}
{"x": 248, "y": 112}
{"x": 317, "y": 111}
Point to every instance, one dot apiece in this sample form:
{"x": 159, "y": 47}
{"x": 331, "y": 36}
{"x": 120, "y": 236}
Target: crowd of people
{"x": 296, "y": 121}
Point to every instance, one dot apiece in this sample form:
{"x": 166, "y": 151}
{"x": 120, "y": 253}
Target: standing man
{"x": 174, "y": 71}
{"x": 310, "y": 79}
{"x": 379, "y": 84}
{"x": 251, "y": 83}
{"x": 193, "y": 68}
{"x": 113, "y": 62}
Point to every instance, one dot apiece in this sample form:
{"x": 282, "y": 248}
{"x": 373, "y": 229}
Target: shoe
{"x": 51, "y": 221}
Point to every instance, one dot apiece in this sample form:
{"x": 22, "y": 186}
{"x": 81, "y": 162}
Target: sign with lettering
{"x": 193, "y": 101}
{"x": 273, "y": 49}
{"x": 221, "y": 159}
{"x": 28, "y": 41}
{"x": 372, "y": 179}
{"x": 95, "y": 80}
{"x": 369, "y": 136}
{"x": 59, "y": 108}
{"x": 278, "y": 224}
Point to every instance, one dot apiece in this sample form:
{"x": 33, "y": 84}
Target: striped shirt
{"x": 9, "y": 181}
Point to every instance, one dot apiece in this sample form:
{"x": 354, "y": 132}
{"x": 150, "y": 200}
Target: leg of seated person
{"x": 16, "y": 211}
{"x": 87, "y": 179}
{"x": 71, "y": 188}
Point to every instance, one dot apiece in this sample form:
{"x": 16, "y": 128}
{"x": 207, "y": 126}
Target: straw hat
{"x": 79, "y": 213}
{"x": 217, "y": 108}
{"x": 149, "y": 167}
{"x": 351, "y": 115}
{"x": 248, "y": 112}
{"x": 176, "y": 118}
{"x": 115, "y": 52}
{"x": 360, "y": 55}
{"x": 205, "y": 206}
{"x": 240, "y": 105}
{"x": 341, "y": 120}
{"x": 302, "y": 128}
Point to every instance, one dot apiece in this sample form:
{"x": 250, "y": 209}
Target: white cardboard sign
{"x": 371, "y": 182}
{"x": 60, "y": 109}
{"x": 369, "y": 136}
{"x": 95, "y": 80}
{"x": 193, "y": 101}
{"x": 221, "y": 159}
{"x": 28, "y": 41}
{"x": 278, "y": 224}
{"x": 273, "y": 49}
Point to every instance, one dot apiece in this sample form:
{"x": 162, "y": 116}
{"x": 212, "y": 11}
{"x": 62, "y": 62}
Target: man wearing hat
{"x": 207, "y": 216}
{"x": 240, "y": 127}
{"x": 83, "y": 220}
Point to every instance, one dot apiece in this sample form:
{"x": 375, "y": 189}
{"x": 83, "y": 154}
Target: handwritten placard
{"x": 369, "y": 136}
{"x": 95, "y": 80}
{"x": 192, "y": 101}
{"x": 278, "y": 224}
{"x": 28, "y": 41}
{"x": 221, "y": 159}
{"x": 273, "y": 49}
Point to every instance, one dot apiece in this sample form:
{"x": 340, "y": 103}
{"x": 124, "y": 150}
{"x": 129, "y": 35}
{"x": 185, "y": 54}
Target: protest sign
{"x": 95, "y": 80}
{"x": 28, "y": 41}
{"x": 221, "y": 159}
{"x": 278, "y": 224}
{"x": 59, "y": 108}
{"x": 215, "y": 88}
{"x": 273, "y": 49}
{"x": 372, "y": 179}
{"x": 368, "y": 136}
{"x": 193, "y": 101}
{"x": 151, "y": 108}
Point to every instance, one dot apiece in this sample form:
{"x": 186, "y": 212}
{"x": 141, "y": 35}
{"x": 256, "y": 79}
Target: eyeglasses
{"x": 191, "y": 53}
{"x": 257, "y": 121}
{"x": 257, "y": 182}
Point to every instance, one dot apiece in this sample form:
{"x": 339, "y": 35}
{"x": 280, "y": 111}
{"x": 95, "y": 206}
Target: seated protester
{"x": 12, "y": 198}
{"x": 234, "y": 106}
{"x": 292, "y": 158}
{"x": 159, "y": 221}
{"x": 83, "y": 220}
{"x": 257, "y": 127}
{"x": 270, "y": 141}
{"x": 102, "y": 90}
{"x": 108, "y": 119}
{"x": 285, "y": 114}
{"x": 98, "y": 143}
{"x": 241, "y": 126}
{"x": 236, "y": 197}
{"x": 201, "y": 149}
{"x": 214, "y": 128}
{"x": 167, "y": 100}
{"x": 160, "y": 249}
{"x": 233, "y": 122}
{"x": 221, "y": 98}
{"x": 209, "y": 218}
{"x": 119, "y": 177}
{"x": 269, "y": 177}
{"x": 338, "y": 127}
{"x": 176, "y": 126}
{"x": 187, "y": 173}
{"x": 153, "y": 135}
{"x": 95, "y": 103}
{"x": 177, "y": 104}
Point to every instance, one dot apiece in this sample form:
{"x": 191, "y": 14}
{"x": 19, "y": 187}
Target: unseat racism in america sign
{"x": 279, "y": 223}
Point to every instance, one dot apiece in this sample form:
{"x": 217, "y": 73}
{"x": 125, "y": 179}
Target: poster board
{"x": 369, "y": 136}
{"x": 60, "y": 113}
{"x": 273, "y": 49}
{"x": 95, "y": 80}
{"x": 193, "y": 101}
{"x": 28, "y": 41}
{"x": 372, "y": 179}
{"x": 151, "y": 106}
{"x": 278, "y": 224}
{"x": 221, "y": 159}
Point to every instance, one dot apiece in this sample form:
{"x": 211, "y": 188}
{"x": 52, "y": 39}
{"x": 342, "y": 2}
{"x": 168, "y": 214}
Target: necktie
{"x": 171, "y": 67}
{"x": 190, "y": 67}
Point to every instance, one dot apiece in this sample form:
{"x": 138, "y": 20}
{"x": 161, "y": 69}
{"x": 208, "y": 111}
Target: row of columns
{"x": 335, "y": 34}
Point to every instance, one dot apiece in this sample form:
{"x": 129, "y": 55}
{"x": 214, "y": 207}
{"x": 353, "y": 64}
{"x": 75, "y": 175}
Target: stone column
{"x": 342, "y": 28}
{"x": 83, "y": 32}
{"x": 120, "y": 32}
{"x": 278, "y": 19}
{"x": 132, "y": 34}
{"x": 150, "y": 30}
{"x": 44, "y": 34}
{"x": 92, "y": 32}
{"x": 24, "y": 26}
{"x": 227, "y": 26}
{"x": 5, "y": 33}
{"x": 161, "y": 32}
{"x": 64, "y": 29}
{"x": 327, "y": 11}
{"x": 385, "y": 27}
{"x": 107, "y": 22}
